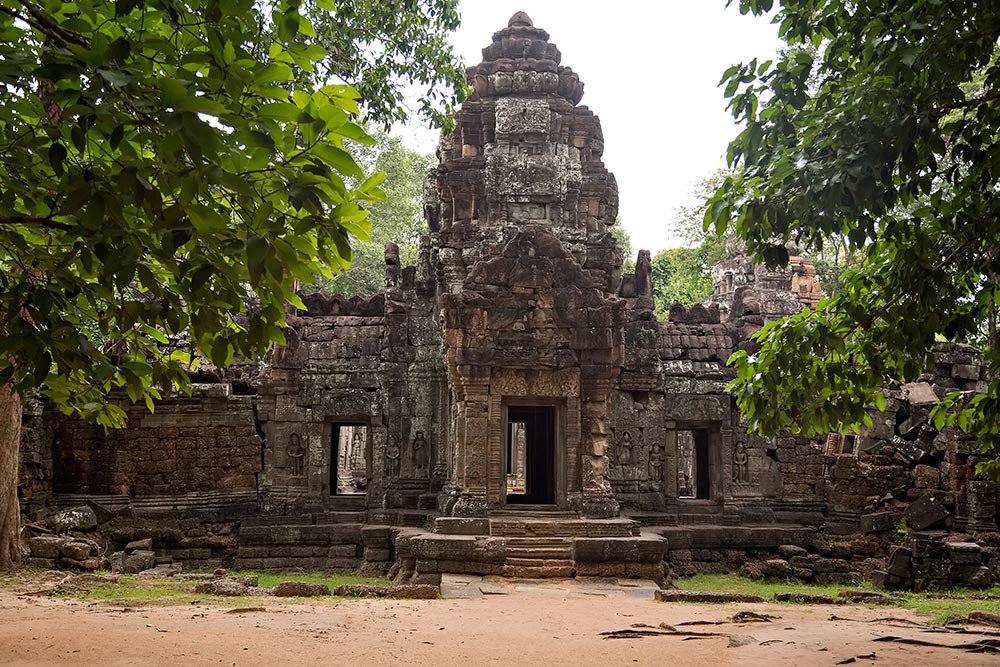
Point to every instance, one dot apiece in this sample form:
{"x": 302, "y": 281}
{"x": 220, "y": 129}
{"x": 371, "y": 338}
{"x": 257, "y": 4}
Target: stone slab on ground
{"x": 459, "y": 586}
{"x": 704, "y": 596}
{"x": 299, "y": 589}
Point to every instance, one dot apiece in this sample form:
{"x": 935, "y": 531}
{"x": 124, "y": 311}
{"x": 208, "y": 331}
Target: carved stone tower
{"x": 527, "y": 273}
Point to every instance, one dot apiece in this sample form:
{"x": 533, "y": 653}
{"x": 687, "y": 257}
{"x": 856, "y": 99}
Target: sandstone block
{"x": 926, "y": 512}
{"x": 965, "y": 553}
{"x": 74, "y": 550}
{"x": 138, "y": 561}
{"x": 76, "y": 518}
{"x": 788, "y": 551}
{"x": 45, "y": 546}
{"x": 137, "y": 545}
{"x": 703, "y": 596}
{"x": 302, "y": 589}
{"x": 878, "y": 522}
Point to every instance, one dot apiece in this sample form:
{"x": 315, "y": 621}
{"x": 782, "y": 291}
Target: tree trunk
{"x": 10, "y": 446}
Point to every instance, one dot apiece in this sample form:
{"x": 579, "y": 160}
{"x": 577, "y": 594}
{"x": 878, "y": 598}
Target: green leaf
{"x": 338, "y": 159}
{"x": 283, "y": 111}
{"x": 57, "y": 155}
{"x": 257, "y": 249}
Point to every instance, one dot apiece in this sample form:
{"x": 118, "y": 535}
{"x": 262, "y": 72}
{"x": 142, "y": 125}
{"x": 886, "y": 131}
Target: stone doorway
{"x": 694, "y": 470}
{"x": 530, "y": 455}
{"x": 348, "y": 462}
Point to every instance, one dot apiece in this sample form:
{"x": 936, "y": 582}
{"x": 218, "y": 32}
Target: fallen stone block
{"x": 76, "y": 518}
{"x": 404, "y": 591}
{"x": 899, "y": 562}
{"x": 138, "y": 561}
{"x": 74, "y": 550}
{"x": 775, "y": 568}
{"x": 807, "y": 598}
{"x": 86, "y": 564}
{"x": 703, "y": 596}
{"x": 977, "y": 576}
{"x": 162, "y": 570}
{"x": 919, "y": 393}
{"x": 789, "y": 551}
{"x": 227, "y": 587}
{"x": 45, "y": 546}
{"x": 299, "y": 589}
{"x": 868, "y": 597}
{"x": 985, "y": 617}
{"x": 965, "y": 553}
{"x": 926, "y": 512}
{"x": 909, "y": 450}
{"x": 139, "y": 545}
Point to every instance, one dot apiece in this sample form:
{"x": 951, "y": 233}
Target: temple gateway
{"x": 510, "y": 405}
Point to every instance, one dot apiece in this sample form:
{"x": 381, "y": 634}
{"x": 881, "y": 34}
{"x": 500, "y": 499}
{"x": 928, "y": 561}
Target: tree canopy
{"x": 170, "y": 169}
{"x": 887, "y": 137}
{"x": 684, "y": 274}
{"x": 163, "y": 174}
{"x": 379, "y": 45}
{"x": 399, "y": 218}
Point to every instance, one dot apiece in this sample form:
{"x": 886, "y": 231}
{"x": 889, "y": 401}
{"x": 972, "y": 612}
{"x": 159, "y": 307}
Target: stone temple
{"x": 510, "y": 405}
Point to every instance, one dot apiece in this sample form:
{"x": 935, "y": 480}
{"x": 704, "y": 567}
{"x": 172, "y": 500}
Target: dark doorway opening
{"x": 694, "y": 471}
{"x": 348, "y": 463}
{"x": 531, "y": 454}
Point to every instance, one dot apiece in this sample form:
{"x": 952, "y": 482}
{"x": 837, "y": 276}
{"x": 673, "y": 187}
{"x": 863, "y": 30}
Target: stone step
{"x": 537, "y": 568}
{"x": 346, "y": 503}
{"x": 517, "y": 527}
{"x": 333, "y": 518}
{"x": 534, "y": 512}
{"x": 543, "y": 553}
{"x": 537, "y": 542}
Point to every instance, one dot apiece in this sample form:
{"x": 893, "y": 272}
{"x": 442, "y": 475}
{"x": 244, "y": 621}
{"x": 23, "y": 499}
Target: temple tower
{"x": 527, "y": 276}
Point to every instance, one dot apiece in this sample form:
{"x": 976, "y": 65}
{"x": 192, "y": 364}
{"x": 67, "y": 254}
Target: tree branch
{"x": 38, "y": 220}
{"x": 47, "y": 25}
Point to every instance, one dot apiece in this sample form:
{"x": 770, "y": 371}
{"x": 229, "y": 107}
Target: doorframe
{"x": 716, "y": 469}
{"x": 558, "y": 446}
{"x": 332, "y": 453}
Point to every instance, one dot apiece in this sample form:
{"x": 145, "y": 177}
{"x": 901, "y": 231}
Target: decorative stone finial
{"x": 520, "y": 19}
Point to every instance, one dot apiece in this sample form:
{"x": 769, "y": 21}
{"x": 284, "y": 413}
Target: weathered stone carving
{"x": 741, "y": 464}
{"x": 296, "y": 456}
{"x": 419, "y": 451}
{"x": 656, "y": 462}
{"x": 392, "y": 459}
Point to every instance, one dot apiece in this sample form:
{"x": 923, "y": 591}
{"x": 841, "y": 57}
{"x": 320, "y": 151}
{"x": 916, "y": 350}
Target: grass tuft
{"x": 925, "y": 604}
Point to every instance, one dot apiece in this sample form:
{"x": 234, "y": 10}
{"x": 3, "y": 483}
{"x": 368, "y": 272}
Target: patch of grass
{"x": 132, "y": 589}
{"x": 128, "y": 589}
{"x": 925, "y": 604}
{"x": 730, "y": 583}
{"x": 272, "y": 579}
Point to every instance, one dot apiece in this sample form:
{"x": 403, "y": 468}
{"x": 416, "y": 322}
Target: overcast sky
{"x": 651, "y": 69}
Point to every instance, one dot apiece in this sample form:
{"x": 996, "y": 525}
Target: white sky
{"x": 651, "y": 70}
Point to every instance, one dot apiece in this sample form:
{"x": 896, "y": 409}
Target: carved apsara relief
{"x": 296, "y": 456}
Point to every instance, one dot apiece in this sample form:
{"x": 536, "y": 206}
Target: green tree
{"x": 167, "y": 172}
{"x": 888, "y": 138}
{"x": 399, "y": 218}
{"x": 684, "y": 275}
{"x": 375, "y": 45}
{"x": 680, "y": 275}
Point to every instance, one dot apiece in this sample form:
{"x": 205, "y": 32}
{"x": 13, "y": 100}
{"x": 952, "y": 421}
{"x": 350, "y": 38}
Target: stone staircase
{"x": 538, "y": 557}
{"x": 532, "y": 542}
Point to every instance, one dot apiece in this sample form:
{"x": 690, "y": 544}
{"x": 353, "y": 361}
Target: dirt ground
{"x": 544, "y": 625}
